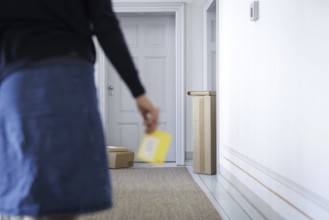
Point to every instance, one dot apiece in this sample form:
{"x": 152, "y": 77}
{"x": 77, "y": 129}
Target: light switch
{"x": 254, "y": 11}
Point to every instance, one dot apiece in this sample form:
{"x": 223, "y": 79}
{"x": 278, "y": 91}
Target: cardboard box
{"x": 204, "y": 132}
{"x": 120, "y": 158}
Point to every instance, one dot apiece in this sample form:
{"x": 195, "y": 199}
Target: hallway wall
{"x": 274, "y": 75}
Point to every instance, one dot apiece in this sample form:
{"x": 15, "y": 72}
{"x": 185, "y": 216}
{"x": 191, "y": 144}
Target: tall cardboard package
{"x": 204, "y": 131}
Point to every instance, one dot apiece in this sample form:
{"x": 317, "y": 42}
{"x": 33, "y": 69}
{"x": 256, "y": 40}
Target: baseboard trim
{"x": 224, "y": 203}
{"x": 284, "y": 196}
{"x": 248, "y": 200}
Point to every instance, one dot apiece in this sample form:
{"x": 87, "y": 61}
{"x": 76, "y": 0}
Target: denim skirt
{"x": 52, "y": 151}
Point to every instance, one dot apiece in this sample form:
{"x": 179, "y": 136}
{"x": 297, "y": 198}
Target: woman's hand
{"x": 149, "y": 112}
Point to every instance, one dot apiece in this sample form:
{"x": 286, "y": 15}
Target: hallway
{"x": 271, "y": 82}
{"x": 268, "y": 64}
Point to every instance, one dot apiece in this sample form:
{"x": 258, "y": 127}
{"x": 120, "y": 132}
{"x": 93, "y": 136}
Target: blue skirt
{"x": 52, "y": 151}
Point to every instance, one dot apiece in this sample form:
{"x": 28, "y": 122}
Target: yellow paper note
{"x": 154, "y": 147}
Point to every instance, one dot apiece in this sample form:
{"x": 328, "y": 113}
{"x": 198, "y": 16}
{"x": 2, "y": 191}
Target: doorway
{"x": 176, "y": 10}
{"x": 151, "y": 41}
{"x": 210, "y": 45}
{"x": 211, "y": 57}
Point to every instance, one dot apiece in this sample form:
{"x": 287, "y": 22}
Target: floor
{"x": 224, "y": 203}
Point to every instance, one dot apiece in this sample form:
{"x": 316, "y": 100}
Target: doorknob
{"x": 111, "y": 90}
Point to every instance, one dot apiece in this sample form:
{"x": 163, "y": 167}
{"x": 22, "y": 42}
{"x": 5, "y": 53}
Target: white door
{"x": 151, "y": 41}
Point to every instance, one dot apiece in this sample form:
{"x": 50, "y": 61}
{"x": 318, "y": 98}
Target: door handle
{"x": 110, "y": 90}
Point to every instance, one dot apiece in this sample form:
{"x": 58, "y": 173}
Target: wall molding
{"x": 178, "y": 10}
{"x": 255, "y": 207}
{"x": 285, "y": 196}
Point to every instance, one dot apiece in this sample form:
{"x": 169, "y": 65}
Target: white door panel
{"x": 151, "y": 41}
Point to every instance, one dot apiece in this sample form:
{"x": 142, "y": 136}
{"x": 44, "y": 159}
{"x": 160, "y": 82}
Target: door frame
{"x": 178, "y": 10}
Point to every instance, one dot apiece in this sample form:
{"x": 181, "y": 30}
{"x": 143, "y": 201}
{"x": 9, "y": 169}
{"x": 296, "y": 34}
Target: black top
{"x": 32, "y": 30}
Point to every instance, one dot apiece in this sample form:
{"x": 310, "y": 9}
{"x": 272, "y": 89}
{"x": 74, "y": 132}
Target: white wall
{"x": 274, "y": 107}
{"x": 194, "y": 56}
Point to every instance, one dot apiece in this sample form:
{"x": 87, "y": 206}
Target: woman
{"x": 52, "y": 151}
